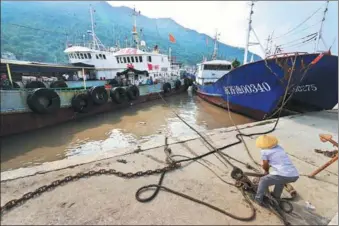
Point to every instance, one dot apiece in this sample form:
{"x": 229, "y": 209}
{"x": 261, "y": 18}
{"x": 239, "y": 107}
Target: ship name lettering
{"x": 247, "y": 89}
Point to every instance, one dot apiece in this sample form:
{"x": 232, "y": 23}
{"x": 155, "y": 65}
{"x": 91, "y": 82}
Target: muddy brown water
{"x": 107, "y": 131}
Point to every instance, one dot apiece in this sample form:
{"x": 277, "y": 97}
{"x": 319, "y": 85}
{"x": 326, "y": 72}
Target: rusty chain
{"x": 15, "y": 202}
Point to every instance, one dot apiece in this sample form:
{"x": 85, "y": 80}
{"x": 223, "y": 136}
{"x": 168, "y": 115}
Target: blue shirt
{"x": 279, "y": 161}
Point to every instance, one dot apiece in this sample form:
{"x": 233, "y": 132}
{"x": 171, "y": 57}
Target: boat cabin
{"x": 209, "y": 72}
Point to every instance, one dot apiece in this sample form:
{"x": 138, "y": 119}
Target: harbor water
{"x": 108, "y": 131}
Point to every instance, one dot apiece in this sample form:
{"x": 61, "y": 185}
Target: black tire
{"x": 16, "y": 85}
{"x": 133, "y": 92}
{"x": 113, "y": 83}
{"x": 52, "y": 101}
{"x": 98, "y": 94}
{"x": 35, "y": 85}
{"x": 187, "y": 82}
{"x": 58, "y": 84}
{"x": 118, "y": 95}
{"x": 82, "y": 103}
{"x": 166, "y": 87}
{"x": 177, "y": 84}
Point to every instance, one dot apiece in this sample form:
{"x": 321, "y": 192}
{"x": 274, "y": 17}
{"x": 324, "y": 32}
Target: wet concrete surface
{"x": 109, "y": 199}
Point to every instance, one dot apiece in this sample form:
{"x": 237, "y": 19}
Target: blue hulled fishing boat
{"x": 256, "y": 89}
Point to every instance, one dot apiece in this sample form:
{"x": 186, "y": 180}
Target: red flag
{"x": 150, "y": 67}
{"x": 171, "y": 38}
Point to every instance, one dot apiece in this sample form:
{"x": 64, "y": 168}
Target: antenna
{"x": 96, "y": 43}
{"x": 250, "y": 28}
{"x": 135, "y": 31}
{"x": 319, "y": 36}
{"x": 215, "y": 50}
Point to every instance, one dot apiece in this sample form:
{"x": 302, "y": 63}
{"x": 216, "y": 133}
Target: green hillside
{"x": 38, "y": 31}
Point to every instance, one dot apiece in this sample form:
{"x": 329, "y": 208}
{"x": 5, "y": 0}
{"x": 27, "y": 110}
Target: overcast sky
{"x": 230, "y": 18}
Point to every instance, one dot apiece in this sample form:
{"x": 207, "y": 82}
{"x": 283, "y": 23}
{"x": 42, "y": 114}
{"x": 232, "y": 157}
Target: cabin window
{"x": 128, "y": 60}
{"x": 100, "y": 56}
{"x": 217, "y": 67}
{"x": 104, "y": 56}
{"x": 149, "y": 58}
{"x": 140, "y": 59}
{"x": 97, "y": 56}
{"x": 85, "y": 55}
{"x": 78, "y": 55}
{"x": 132, "y": 59}
{"x": 125, "y": 61}
{"x": 118, "y": 60}
{"x": 89, "y": 56}
{"x": 81, "y": 56}
{"x": 136, "y": 59}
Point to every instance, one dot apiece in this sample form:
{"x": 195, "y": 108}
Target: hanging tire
{"x": 113, "y": 83}
{"x": 43, "y": 101}
{"x": 177, "y": 84}
{"x": 35, "y": 85}
{"x": 166, "y": 87}
{"x": 118, "y": 95}
{"x": 58, "y": 84}
{"x": 133, "y": 92}
{"x": 81, "y": 102}
{"x": 98, "y": 94}
{"x": 187, "y": 82}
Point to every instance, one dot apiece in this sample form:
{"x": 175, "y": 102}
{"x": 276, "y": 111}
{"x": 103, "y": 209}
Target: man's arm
{"x": 265, "y": 166}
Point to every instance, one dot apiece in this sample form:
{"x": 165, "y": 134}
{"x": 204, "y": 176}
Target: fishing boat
{"x": 256, "y": 89}
{"x": 35, "y": 95}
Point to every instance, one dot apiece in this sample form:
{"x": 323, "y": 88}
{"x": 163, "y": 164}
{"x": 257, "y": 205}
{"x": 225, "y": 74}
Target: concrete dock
{"x": 109, "y": 199}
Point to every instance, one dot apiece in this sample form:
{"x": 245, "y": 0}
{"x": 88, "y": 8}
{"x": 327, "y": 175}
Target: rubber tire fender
{"x": 177, "y": 84}
{"x": 118, "y": 95}
{"x": 36, "y": 106}
{"x": 187, "y": 82}
{"x": 81, "y": 102}
{"x": 98, "y": 94}
{"x": 58, "y": 84}
{"x": 133, "y": 92}
{"x": 113, "y": 83}
{"x": 35, "y": 85}
{"x": 166, "y": 87}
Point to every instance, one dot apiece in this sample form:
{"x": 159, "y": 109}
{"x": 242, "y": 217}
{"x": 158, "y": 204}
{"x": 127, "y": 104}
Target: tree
{"x": 235, "y": 63}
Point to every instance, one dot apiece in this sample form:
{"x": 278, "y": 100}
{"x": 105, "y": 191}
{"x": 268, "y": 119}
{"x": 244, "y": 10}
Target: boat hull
{"x": 19, "y": 122}
{"x": 256, "y": 89}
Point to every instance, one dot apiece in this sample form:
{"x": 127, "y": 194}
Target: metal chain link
{"x": 15, "y": 202}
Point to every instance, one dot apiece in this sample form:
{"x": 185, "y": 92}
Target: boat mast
{"x": 94, "y": 43}
{"x": 248, "y": 33}
{"x": 215, "y": 50}
{"x": 135, "y": 32}
{"x": 319, "y": 36}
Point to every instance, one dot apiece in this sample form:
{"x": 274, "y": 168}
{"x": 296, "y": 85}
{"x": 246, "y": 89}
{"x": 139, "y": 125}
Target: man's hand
{"x": 265, "y": 166}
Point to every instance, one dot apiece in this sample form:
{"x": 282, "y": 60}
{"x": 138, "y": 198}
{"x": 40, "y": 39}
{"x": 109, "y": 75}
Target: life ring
{"x": 166, "y": 87}
{"x": 133, "y": 92}
{"x": 81, "y": 102}
{"x": 35, "y": 85}
{"x": 177, "y": 84}
{"x": 98, "y": 94}
{"x": 58, "y": 84}
{"x": 43, "y": 101}
{"x": 118, "y": 94}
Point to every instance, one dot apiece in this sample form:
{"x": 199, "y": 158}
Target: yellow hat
{"x": 266, "y": 142}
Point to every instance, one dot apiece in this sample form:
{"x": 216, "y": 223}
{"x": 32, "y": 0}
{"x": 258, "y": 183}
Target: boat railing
{"x": 285, "y": 54}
